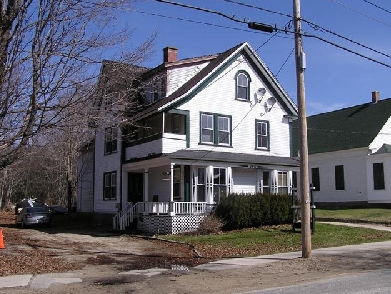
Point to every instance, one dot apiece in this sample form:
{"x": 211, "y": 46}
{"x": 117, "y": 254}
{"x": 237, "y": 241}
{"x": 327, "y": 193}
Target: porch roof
{"x": 238, "y": 158}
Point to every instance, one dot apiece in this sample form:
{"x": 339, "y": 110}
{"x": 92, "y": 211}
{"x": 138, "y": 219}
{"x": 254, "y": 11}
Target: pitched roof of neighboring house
{"x": 348, "y": 128}
{"x": 239, "y": 158}
{"x": 386, "y": 148}
{"x": 115, "y": 76}
{"x": 219, "y": 62}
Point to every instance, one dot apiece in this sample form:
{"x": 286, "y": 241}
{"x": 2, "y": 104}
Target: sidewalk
{"x": 43, "y": 281}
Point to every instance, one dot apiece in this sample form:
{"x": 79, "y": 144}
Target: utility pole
{"x": 303, "y": 144}
{"x": 304, "y": 191}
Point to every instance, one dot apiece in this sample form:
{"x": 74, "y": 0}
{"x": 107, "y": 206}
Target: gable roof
{"x": 348, "y": 128}
{"x": 218, "y": 62}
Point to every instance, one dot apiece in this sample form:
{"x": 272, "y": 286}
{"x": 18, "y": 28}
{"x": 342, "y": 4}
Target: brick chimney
{"x": 375, "y": 96}
{"x": 170, "y": 54}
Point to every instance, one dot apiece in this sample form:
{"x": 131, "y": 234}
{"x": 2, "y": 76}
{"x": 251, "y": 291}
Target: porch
{"x": 163, "y": 217}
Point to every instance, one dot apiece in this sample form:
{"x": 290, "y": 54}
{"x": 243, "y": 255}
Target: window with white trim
{"x": 283, "y": 187}
{"x": 216, "y": 129}
{"x": 219, "y": 183}
{"x": 201, "y": 188}
{"x": 242, "y": 80}
{"x": 262, "y": 134}
{"x": 110, "y": 185}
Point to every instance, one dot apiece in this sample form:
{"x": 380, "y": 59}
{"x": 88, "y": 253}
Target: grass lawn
{"x": 378, "y": 215}
{"x": 269, "y": 240}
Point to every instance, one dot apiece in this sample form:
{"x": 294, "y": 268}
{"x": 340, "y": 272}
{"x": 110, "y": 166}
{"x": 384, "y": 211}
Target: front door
{"x": 135, "y": 187}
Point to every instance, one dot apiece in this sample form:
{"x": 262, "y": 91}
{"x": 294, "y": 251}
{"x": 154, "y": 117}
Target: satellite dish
{"x": 270, "y": 103}
{"x": 261, "y": 92}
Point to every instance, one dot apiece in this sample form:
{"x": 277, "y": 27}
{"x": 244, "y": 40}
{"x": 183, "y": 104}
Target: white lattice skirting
{"x": 165, "y": 224}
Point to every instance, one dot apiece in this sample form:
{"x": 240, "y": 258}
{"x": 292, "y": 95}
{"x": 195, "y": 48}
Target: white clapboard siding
{"x": 168, "y": 144}
{"x": 355, "y": 173}
{"x": 176, "y": 77}
{"x": 219, "y": 97}
{"x": 105, "y": 163}
{"x": 379, "y": 196}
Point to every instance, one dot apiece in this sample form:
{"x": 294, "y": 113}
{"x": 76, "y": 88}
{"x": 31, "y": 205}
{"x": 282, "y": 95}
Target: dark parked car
{"x": 33, "y": 216}
{"x": 58, "y": 209}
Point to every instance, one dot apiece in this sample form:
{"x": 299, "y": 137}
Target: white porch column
{"x": 146, "y": 177}
{"x": 209, "y": 185}
{"x": 171, "y": 205}
{"x": 194, "y": 182}
{"x": 290, "y": 181}
{"x": 274, "y": 175}
{"x": 172, "y": 182}
{"x": 229, "y": 180}
{"x": 259, "y": 180}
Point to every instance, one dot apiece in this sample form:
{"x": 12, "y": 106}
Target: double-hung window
{"x": 110, "y": 140}
{"x": 110, "y": 185}
{"x": 315, "y": 178}
{"x": 339, "y": 178}
{"x": 378, "y": 176}
{"x": 242, "y": 85}
{"x": 262, "y": 140}
{"x": 216, "y": 129}
{"x": 283, "y": 187}
{"x": 219, "y": 183}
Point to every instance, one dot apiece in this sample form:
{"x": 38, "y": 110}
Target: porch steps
{"x": 124, "y": 218}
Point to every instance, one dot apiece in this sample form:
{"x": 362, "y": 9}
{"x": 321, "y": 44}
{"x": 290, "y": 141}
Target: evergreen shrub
{"x": 254, "y": 210}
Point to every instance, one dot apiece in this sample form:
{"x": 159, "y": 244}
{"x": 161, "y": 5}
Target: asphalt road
{"x": 372, "y": 282}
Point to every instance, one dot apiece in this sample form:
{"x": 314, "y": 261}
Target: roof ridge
{"x": 349, "y": 107}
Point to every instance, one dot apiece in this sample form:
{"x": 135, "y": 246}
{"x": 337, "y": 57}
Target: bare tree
{"x": 49, "y": 51}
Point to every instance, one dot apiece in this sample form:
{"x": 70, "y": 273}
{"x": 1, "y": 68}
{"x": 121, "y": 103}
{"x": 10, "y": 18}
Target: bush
{"x": 249, "y": 210}
{"x": 210, "y": 225}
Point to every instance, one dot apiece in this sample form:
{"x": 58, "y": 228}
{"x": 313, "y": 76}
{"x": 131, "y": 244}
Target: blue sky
{"x": 334, "y": 78}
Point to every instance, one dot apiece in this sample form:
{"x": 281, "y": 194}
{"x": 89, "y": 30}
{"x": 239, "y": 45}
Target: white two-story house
{"x": 350, "y": 154}
{"x": 213, "y": 125}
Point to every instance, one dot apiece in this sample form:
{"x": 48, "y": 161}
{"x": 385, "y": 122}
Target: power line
{"x": 206, "y": 23}
{"x": 204, "y": 10}
{"x": 286, "y": 60}
{"x": 257, "y": 7}
{"x": 348, "y": 50}
{"x": 377, "y": 6}
{"x": 316, "y": 27}
{"x": 361, "y": 13}
{"x": 280, "y": 30}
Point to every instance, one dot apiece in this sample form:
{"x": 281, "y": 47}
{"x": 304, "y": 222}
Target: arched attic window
{"x": 242, "y": 79}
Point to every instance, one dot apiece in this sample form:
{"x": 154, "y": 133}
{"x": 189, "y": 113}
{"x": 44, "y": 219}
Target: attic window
{"x": 243, "y": 80}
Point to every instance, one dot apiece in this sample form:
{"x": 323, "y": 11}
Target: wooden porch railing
{"x": 125, "y": 217}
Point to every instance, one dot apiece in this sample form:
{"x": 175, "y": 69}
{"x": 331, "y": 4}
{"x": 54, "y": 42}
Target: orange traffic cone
{"x": 1, "y": 240}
